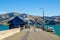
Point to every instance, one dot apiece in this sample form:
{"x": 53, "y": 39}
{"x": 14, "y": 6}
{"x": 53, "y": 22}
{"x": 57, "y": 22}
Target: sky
{"x": 32, "y": 7}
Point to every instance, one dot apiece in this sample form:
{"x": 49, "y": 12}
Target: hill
{"x": 4, "y": 18}
{"x": 8, "y": 16}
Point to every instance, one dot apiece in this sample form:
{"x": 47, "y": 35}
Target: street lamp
{"x": 43, "y": 16}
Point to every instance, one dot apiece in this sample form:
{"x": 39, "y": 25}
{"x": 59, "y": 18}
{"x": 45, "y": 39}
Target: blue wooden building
{"x": 16, "y": 22}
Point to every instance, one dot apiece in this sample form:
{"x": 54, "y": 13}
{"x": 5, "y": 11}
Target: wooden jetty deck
{"x": 30, "y": 34}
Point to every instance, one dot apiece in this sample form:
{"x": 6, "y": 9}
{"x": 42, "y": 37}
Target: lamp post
{"x": 43, "y": 17}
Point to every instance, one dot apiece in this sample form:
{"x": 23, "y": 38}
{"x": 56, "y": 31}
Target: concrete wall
{"x": 7, "y": 33}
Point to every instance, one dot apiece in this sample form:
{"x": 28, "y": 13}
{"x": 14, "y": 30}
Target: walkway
{"x": 30, "y": 34}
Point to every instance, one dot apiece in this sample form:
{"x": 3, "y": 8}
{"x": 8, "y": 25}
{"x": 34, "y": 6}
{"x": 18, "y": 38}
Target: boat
{"x": 50, "y": 29}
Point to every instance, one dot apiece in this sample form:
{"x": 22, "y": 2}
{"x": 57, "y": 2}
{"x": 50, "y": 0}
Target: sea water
{"x": 4, "y": 27}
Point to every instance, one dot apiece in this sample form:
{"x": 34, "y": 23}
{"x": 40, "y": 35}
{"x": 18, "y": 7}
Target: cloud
{"x": 3, "y": 12}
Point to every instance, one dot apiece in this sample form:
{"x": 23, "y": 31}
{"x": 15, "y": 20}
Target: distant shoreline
{"x": 4, "y": 24}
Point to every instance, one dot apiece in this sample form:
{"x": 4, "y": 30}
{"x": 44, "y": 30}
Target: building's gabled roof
{"x": 17, "y": 20}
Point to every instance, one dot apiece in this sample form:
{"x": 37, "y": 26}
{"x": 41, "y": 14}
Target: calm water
{"x": 56, "y": 28}
{"x": 2, "y": 27}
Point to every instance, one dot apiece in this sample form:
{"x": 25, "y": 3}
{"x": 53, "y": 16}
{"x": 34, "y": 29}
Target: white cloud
{"x": 3, "y": 12}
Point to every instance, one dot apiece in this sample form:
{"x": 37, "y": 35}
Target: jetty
{"x": 30, "y": 34}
